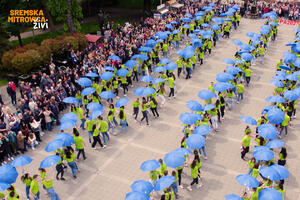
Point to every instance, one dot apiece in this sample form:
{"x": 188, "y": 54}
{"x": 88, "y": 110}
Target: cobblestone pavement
{"x": 108, "y": 173}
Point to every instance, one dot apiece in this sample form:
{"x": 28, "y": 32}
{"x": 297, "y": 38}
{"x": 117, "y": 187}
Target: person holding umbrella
{"x": 34, "y": 187}
{"x": 282, "y": 156}
{"x": 240, "y": 90}
{"x": 60, "y": 166}
{"x": 194, "y": 172}
{"x": 70, "y": 158}
{"x": 26, "y": 179}
{"x": 245, "y": 145}
{"x": 153, "y": 106}
{"x": 284, "y": 124}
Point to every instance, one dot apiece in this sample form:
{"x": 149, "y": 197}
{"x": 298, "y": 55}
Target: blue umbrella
{"x": 54, "y": 145}
{"x": 194, "y": 105}
{"x": 174, "y": 159}
{"x": 205, "y": 25}
{"x": 246, "y": 47}
{"x": 145, "y": 49}
{"x": 247, "y": 180}
{"x": 195, "y": 141}
{"x": 265, "y": 31}
{"x": 215, "y": 27}
{"x": 175, "y": 32}
{"x": 69, "y": 116}
{"x": 289, "y": 57}
{"x": 130, "y": 63}
{"x": 202, "y": 130}
{"x": 224, "y": 77}
{"x": 147, "y": 78}
{"x": 122, "y": 72}
{"x": 200, "y": 13}
{"x": 206, "y": 36}
{"x": 136, "y": 196}
{"x": 171, "y": 66}
{"x": 297, "y": 62}
{"x": 197, "y": 42}
{"x": 50, "y": 161}
{"x": 279, "y": 78}
{"x": 249, "y": 120}
{"x": 228, "y": 61}
{"x": 84, "y": 82}
{"x": 142, "y": 186}
{"x": 92, "y": 74}
{"x": 267, "y": 131}
{"x": 275, "y": 116}
{"x": 189, "y": 118}
{"x": 186, "y": 20}
{"x": 159, "y": 69}
{"x": 247, "y": 57}
{"x": 233, "y": 197}
{"x": 221, "y": 86}
{"x": 142, "y": 91}
{"x": 185, "y": 53}
{"x": 275, "y": 99}
{"x": 186, "y": 26}
{"x": 169, "y": 26}
{"x": 275, "y": 144}
{"x": 263, "y": 153}
{"x": 67, "y": 124}
{"x": 269, "y": 173}
{"x": 209, "y": 107}
{"x": 233, "y": 70}
{"x": 237, "y": 42}
{"x": 95, "y": 114}
{"x": 285, "y": 67}
{"x": 277, "y": 83}
{"x": 67, "y": 139}
{"x": 150, "y": 165}
{"x": 106, "y": 76}
{"x": 174, "y": 22}
{"x": 297, "y": 91}
{"x": 94, "y": 106}
{"x": 143, "y": 57}
{"x": 250, "y": 34}
{"x": 8, "y": 174}
{"x": 183, "y": 151}
{"x": 290, "y": 95}
{"x": 193, "y": 36}
{"x": 189, "y": 15}
{"x": 21, "y": 161}
{"x": 162, "y": 35}
{"x": 163, "y": 183}
{"x": 206, "y": 94}
{"x": 70, "y": 100}
{"x": 4, "y": 186}
{"x": 88, "y": 91}
{"x": 107, "y": 95}
{"x": 292, "y": 77}
{"x": 109, "y": 68}
{"x": 269, "y": 194}
{"x": 158, "y": 80}
{"x": 114, "y": 57}
{"x": 150, "y": 43}
{"x": 122, "y": 102}
{"x": 282, "y": 171}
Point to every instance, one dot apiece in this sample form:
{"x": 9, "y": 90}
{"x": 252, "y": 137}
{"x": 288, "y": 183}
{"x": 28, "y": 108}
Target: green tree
{"x": 4, "y": 36}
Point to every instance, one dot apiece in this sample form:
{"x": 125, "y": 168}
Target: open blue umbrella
{"x": 140, "y": 56}
{"x": 88, "y": 91}
{"x": 205, "y": 25}
{"x": 250, "y": 34}
{"x": 142, "y": 186}
{"x": 200, "y": 13}
{"x": 202, "y": 130}
{"x": 8, "y": 174}
{"x": 275, "y": 99}
{"x": 107, "y": 95}
{"x": 275, "y": 144}
{"x": 91, "y": 74}
{"x": 277, "y": 83}
{"x": 174, "y": 22}
{"x": 69, "y": 116}
{"x": 233, "y": 197}
{"x": 174, "y": 159}
{"x": 84, "y": 82}
{"x": 106, "y": 76}
{"x": 290, "y": 95}
{"x": 175, "y": 32}
{"x": 186, "y": 20}
{"x": 249, "y": 120}
{"x": 109, "y": 68}
{"x": 145, "y": 49}
{"x": 54, "y": 145}
{"x": 215, "y": 27}
{"x": 206, "y": 94}
{"x": 237, "y": 42}
{"x": 158, "y": 80}
{"x": 297, "y": 91}
{"x": 247, "y": 57}
{"x": 265, "y": 27}
{"x": 95, "y": 114}
{"x": 147, "y": 79}
{"x": 130, "y": 63}
{"x": 285, "y": 67}
{"x": 142, "y": 91}
{"x": 209, "y": 107}
{"x": 233, "y": 70}
{"x": 163, "y": 183}
{"x": 246, "y": 47}
{"x": 122, "y": 72}
{"x": 195, "y": 141}
{"x": 70, "y": 100}
{"x": 94, "y": 106}
{"x": 189, "y": 118}
{"x": 4, "y": 186}
{"x": 263, "y": 153}
{"x": 224, "y": 77}
{"x": 114, "y": 57}
{"x": 282, "y": 171}
{"x": 67, "y": 124}
{"x": 194, "y": 105}
{"x": 67, "y": 139}
{"x": 169, "y": 26}
{"x": 289, "y": 57}
{"x": 275, "y": 116}
{"x": 221, "y": 86}
{"x": 150, "y": 165}
{"x": 197, "y": 42}
{"x": 183, "y": 151}
{"x": 297, "y": 62}
{"x": 150, "y": 43}
{"x": 21, "y": 161}
{"x": 267, "y": 131}
{"x": 185, "y": 53}
{"x": 122, "y": 102}
{"x": 292, "y": 77}
{"x": 159, "y": 69}
{"x": 269, "y": 194}
{"x": 50, "y": 161}
{"x": 136, "y": 196}
{"x": 171, "y": 66}
{"x": 247, "y": 180}
{"x": 269, "y": 173}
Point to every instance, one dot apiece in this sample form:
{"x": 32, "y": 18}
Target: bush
{"x": 45, "y": 54}
{"x": 24, "y": 62}
{"x": 31, "y": 46}
{"x": 7, "y": 58}
{"x": 81, "y": 39}
{"x": 72, "y": 41}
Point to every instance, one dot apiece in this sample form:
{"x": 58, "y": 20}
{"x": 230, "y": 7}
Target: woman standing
{"x": 282, "y": 156}
{"x": 34, "y": 187}
{"x": 194, "y": 173}
{"x": 96, "y": 137}
{"x": 70, "y": 158}
{"x": 113, "y": 110}
{"x": 48, "y": 184}
{"x": 136, "y": 104}
{"x": 144, "y": 110}
{"x": 153, "y": 107}
{"x": 79, "y": 143}
{"x": 122, "y": 117}
{"x": 26, "y": 179}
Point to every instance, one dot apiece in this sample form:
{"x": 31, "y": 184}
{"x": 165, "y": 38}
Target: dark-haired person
{"x": 34, "y": 187}
{"x": 26, "y": 179}
{"x": 70, "y": 158}
{"x": 282, "y": 156}
{"x": 79, "y": 143}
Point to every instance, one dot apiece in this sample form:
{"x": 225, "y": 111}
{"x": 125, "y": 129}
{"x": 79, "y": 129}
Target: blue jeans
{"x": 203, "y": 149}
{"x": 110, "y": 126}
{"x": 37, "y": 196}
{"x": 240, "y": 96}
{"x": 104, "y": 134}
{"x": 250, "y": 171}
{"x": 165, "y": 54}
{"x": 175, "y": 187}
{"x": 177, "y": 44}
{"x": 49, "y": 126}
{"x": 27, "y": 188}
{"x": 73, "y": 167}
{"x": 115, "y": 121}
{"x": 90, "y": 136}
{"x": 123, "y": 124}
{"x": 52, "y": 194}
{"x": 79, "y": 102}
{"x": 82, "y": 123}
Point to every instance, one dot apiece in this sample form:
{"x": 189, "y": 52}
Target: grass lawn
{"x": 3, "y": 81}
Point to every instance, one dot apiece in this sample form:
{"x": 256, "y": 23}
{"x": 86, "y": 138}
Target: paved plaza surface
{"x": 108, "y": 173}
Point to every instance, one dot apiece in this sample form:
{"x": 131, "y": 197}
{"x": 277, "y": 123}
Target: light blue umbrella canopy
{"x": 158, "y": 80}
{"x": 247, "y": 180}
{"x": 277, "y": 83}
{"x": 95, "y": 114}
{"x": 224, "y": 77}
{"x": 285, "y": 67}
{"x": 169, "y": 26}
{"x": 275, "y": 99}
{"x": 142, "y": 91}
{"x": 267, "y": 131}
{"x": 206, "y": 94}
{"x": 140, "y": 56}
{"x": 189, "y": 118}
{"x": 273, "y": 144}
{"x": 283, "y": 172}
{"x": 150, "y": 43}
{"x": 130, "y": 63}
{"x": 171, "y": 66}
{"x": 202, "y": 130}
{"x": 274, "y": 172}
{"x": 246, "y": 47}
{"x": 4, "y": 186}
{"x": 88, "y": 91}
{"x": 290, "y": 95}
{"x": 68, "y": 140}
{"x": 66, "y": 124}
{"x": 21, "y": 161}
{"x": 205, "y": 25}
{"x": 233, "y": 197}
{"x": 91, "y": 74}
{"x": 50, "y": 161}
{"x": 269, "y": 194}
{"x": 185, "y": 53}
{"x": 221, "y": 86}
{"x": 250, "y": 34}
{"x": 142, "y": 186}
{"x": 237, "y": 42}
{"x": 275, "y": 116}
{"x": 94, "y": 106}
{"x": 297, "y": 63}
{"x": 114, "y": 57}
{"x": 292, "y": 77}
{"x": 263, "y": 153}
{"x": 106, "y": 76}
{"x": 183, "y": 151}
{"x": 84, "y": 82}
{"x": 159, "y": 69}
{"x": 122, "y": 72}
{"x": 186, "y": 20}
{"x": 54, "y": 145}
{"x": 215, "y": 27}
{"x": 249, "y": 120}
{"x": 197, "y": 42}
{"x": 107, "y": 95}
{"x": 289, "y": 57}
{"x": 174, "y": 159}
{"x": 69, "y": 116}
{"x": 145, "y": 49}
{"x": 150, "y": 165}
{"x": 233, "y": 70}
{"x": 147, "y": 79}
{"x": 200, "y": 13}
{"x": 136, "y": 196}
{"x": 163, "y": 183}
{"x": 70, "y": 100}
{"x": 247, "y": 57}
{"x": 195, "y": 141}
{"x": 109, "y": 68}
{"x": 8, "y": 174}
{"x": 194, "y": 105}
{"x": 209, "y": 107}
{"x": 122, "y": 102}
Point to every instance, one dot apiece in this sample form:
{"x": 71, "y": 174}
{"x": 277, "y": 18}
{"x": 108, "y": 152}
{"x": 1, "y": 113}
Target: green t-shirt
{"x": 80, "y": 113}
{"x": 136, "y": 104}
{"x": 255, "y": 172}
{"x": 48, "y": 184}
{"x": 78, "y": 142}
{"x": 240, "y": 88}
{"x": 96, "y": 132}
{"x": 246, "y": 141}
{"x": 286, "y": 120}
{"x": 171, "y": 82}
{"x": 194, "y": 171}
{"x": 247, "y": 72}
{"x": 34, "y": 187}
{"x": 90, "y": 124}
{"x": 103, "y": 126}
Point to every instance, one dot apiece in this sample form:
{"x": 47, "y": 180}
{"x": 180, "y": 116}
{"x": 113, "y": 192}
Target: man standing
{"x": 11, "y": 90}
{"x": 240, "y": 90}
{"x": 245, "y": 145}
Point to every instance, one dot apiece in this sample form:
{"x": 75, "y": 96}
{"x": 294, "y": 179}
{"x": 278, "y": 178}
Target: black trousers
{"x": 81, "y": 151}
{"x": 60, "y": 170}
{"x": 179, "y": 70}
{"x": 243, "y": 153}
{"x": 179, "y": 176}
{"x": 195, "y": 180}
{"x": 154, "y": 111}
{"x": 96, "y": 139}
{"x": 171, "y": 92}
{"x": 125, "y": 88}
{"x": 135, "y": 76}
{"x": 222, "y": 111}
{"x": 145, "y": 116}
{"x": 135, "y": 112}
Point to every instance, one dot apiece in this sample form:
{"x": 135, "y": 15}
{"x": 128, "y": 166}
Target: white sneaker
{"x": 94, "y": 148}
{"x": 8, "y": 159}
{"x": 205, "y": 158}
{"x": 12, "y": 158}
{"x": 199, "y": 185}
{"x": 181, "y": 186}
{"x": 189, "y": 188}
{"x": 33, "y": 148}
{"x": 104, "y": 146}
